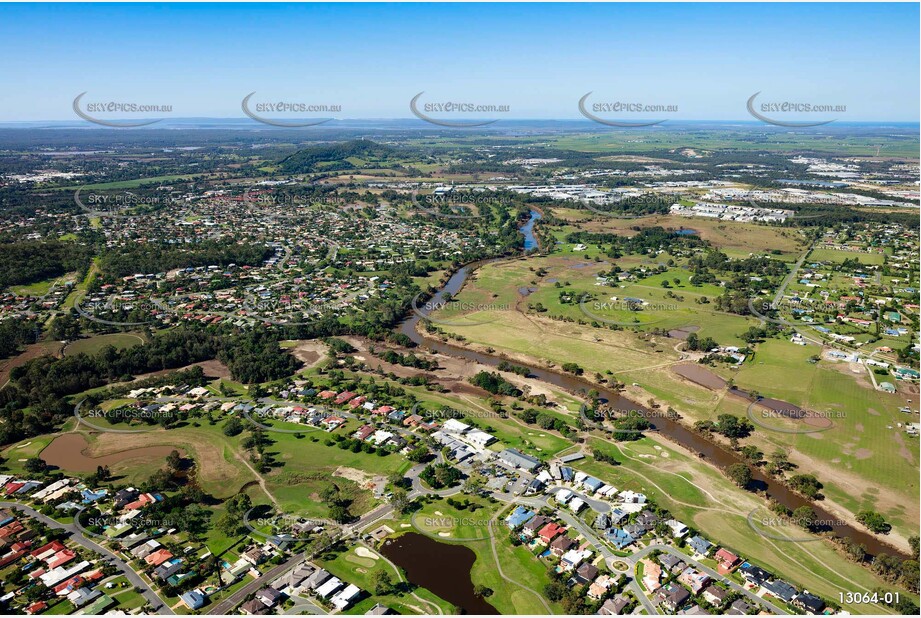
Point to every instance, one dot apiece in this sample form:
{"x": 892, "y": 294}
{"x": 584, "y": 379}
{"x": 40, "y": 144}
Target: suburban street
{"x": 713, "y": 574}
{"x": 78, "y": 537}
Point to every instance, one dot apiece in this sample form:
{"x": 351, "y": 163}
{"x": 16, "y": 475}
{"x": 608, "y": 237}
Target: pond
{"x": 442, "y": 568}
{"x": 67, "y": 452}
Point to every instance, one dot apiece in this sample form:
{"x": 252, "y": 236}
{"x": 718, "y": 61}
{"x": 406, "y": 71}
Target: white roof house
{"x": 563, "y": 496}
{"x": 455, "y": 426}
{"x": 344, "y": 598}
{"x": 479, "y": 438}
{"x": 327, "y": 589}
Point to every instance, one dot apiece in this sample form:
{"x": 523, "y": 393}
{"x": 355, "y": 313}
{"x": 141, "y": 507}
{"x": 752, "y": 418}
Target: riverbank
{"x": 716, "y": 454}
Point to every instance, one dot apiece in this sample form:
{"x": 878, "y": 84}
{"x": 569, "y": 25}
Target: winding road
{"x": 77, "y": 535}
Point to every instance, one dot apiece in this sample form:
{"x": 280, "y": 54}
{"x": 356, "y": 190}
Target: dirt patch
{"x": 904, "y": 453}
{"x": 216, "y": 473}
{"x": 863, "y": 453}
{"x": 310, "y": 352}
{"x": 213, "y": 369}
{"x": 701, "y": 376}
{"x": 683, "y": 332}
{"x": 34, "y": 350}
{"x": 364, "y": 479}
{"x": 70, "y": 452}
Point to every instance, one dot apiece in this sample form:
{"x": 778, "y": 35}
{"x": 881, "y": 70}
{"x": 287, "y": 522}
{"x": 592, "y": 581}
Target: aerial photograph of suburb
{"x": 460, "y": 308}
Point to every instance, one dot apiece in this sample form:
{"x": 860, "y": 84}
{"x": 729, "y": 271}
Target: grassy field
{"x": 497, "y": 290}
{"x": 734, "y": 238}
{"x": 92, "y": 345}
{"x": 703, "y": 498}
{"x": 760, "y": 139}
{"x": 128, "y": 184}
{"x": 835, "y": 255}
{"x": 865, "y": 460}
{"x": 39, "y": 288}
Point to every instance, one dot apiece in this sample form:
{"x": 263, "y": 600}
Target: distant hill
{"x": 335, "y": 157}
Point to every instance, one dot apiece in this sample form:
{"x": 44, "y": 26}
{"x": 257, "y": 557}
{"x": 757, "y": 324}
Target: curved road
{"x": 78, "y": 537}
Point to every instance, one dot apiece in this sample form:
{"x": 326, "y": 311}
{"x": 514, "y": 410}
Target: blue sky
{"x": 539, "y": 59}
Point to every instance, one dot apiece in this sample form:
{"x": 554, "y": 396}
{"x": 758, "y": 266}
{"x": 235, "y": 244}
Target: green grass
{"x": 835, "y": 255}
{"x": 92, "y": 345}
{"x": 129, "y": 184}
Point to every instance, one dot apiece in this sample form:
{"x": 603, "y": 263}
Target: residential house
{"x": 780, "y": 589}
{"x": 673, "y": 564}
{"x": 254, "y": 607}
{"x": 344, "y": 598}
{"x": 754, "y": 575}
{"x": 614, "y": 606}
{"x": 694, "y": 579}
{"x": 739, "y": 608}
{"x": 672, "y": 597}
{"x": 561, "y": 545}
{"x": 518, "y": 517}
{"x": 269, "y": 596}
{"x": 193, "y": 599}
{"x": 329, "y": 588}
{"x": 809, "y": 603}
{"x": 550, "y": 532}
{"x": 317, "y": 579}
{"x": 158, "y": 557}
{"x": 537, "y": 523}
{"x": 700, "y": 545}
{"x": 726, "y": 559}
{"x": 586, "y": 573}
{"x": 574, "y": 557}
{"x": 714, "y": 596}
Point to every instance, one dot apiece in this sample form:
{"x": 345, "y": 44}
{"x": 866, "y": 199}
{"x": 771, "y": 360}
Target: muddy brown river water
{"x": 671, "y": 429}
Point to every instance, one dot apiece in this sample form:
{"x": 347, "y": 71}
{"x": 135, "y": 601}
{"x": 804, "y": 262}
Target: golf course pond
{"x": 442, "y": 568}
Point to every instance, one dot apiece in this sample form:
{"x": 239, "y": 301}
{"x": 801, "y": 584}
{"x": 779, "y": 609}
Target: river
{"x": 673, "y": 430}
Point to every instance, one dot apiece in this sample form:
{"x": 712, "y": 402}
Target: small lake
{"x": 442, "y": 568}
{"x": 67, "y": 453}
